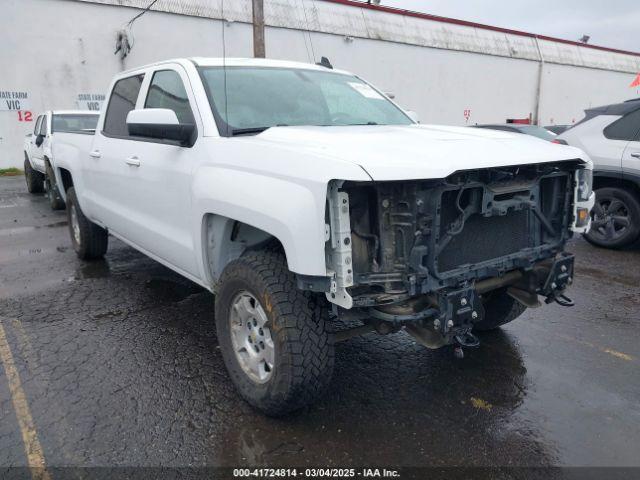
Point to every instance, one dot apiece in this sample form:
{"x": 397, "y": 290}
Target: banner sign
{"x": 13, "y": 101}
{"x": 90, "y": 101}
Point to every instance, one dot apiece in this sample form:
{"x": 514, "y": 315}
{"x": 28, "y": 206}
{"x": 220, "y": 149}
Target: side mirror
{"x": 160, "y": 123}
{"x": 413, "y": 115}
{"x": 39, "y": 139}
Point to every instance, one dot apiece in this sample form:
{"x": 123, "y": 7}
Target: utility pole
{"x": 258, "y": 29}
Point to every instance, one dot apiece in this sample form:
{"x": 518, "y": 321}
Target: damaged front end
{"x": 426, "y": 254}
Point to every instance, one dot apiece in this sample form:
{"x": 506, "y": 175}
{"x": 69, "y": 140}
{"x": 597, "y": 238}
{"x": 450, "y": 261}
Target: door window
{"x": 43, "y": 125}
{"x": 36, "y": 129}
{"x": 122, "y": 101}
{"x": 167, "y": 91}
{"x": 626, "y": 128}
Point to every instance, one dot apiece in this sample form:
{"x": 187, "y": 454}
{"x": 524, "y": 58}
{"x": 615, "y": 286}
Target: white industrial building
{"x": 59, "y": 54}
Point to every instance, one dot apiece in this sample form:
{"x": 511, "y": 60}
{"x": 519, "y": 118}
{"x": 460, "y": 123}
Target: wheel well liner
{"x": 225, "y": 239}
{"x": 67, "y": 179}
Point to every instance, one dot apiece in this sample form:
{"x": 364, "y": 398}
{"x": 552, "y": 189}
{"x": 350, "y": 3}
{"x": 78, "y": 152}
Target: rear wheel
{"x": 53, "y": 193}
{"x": 615, "y": 219}
{"x": 35, "y": 179}
{"x": 272, "y": 336}
{"x": 499, "y": 308}
{"x": 89, "y": 240}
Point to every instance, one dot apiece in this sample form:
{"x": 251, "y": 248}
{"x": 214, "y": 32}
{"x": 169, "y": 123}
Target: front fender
{"x": 293, "y": 212}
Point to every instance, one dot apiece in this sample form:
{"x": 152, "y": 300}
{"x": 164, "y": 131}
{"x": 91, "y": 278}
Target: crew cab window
{"x": 626, "y": 128}
{"x": 167, "y": 91}
{"x": 122, "y": 101}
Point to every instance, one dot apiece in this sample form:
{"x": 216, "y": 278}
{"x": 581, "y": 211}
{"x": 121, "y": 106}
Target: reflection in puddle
{"x": 172, "y": 291}
{"x": 94, "y": 269}
{"x": 20, "y": 230}
{"x": 393, "y": 402}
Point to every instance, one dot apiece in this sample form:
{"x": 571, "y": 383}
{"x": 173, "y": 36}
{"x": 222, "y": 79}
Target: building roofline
{"x": 466, "y": 23}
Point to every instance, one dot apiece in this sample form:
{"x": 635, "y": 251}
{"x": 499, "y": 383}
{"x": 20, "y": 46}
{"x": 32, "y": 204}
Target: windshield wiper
{"x": 246, "y": 131}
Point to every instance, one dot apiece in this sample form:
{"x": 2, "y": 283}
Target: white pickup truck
{"x": 50, "y": 130}
{"x": 299, "y": 194}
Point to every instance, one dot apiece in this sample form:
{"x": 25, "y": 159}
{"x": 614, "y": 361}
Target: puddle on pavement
{"x": 432, "y": 405}
{"x": 96, "y": 269}
{"x": 27, "y": 229}
{"x": 170, "y": 290}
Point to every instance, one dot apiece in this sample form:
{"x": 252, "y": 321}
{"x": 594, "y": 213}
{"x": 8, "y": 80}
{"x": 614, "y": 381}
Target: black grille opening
{"x": 486, "y": 238}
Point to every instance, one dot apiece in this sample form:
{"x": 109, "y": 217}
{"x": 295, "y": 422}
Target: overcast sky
{"x": 610, "y": 23}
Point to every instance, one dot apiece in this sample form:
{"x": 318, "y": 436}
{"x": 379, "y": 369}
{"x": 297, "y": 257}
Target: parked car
{"x": 611, "y": 136}
{"x": 532, "y": 130}
{"x": 299, "y": 194}
{"x": 39, "y": 159}
{"x": 558, "y": 129}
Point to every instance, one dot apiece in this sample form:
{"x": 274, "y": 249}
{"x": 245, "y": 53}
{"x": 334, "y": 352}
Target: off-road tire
{"x": 499, "y": 309}
{"x": 304, "y": 350}
{"x": 35, "y": 179}
{"x": 632, "y": 204}
{"x": 53, "y": 193}
{"x": 93, "y": 240}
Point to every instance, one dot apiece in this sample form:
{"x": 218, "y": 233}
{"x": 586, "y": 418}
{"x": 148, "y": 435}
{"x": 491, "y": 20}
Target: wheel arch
{"x": 64, "y": 178}
{"x": 224, "y": 239}
{"x": 617, "y": 180}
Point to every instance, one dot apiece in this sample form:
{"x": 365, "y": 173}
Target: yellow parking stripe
{"x": 32, "y": 447}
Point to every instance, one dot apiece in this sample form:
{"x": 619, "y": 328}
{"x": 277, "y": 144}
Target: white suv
{"x": 611, "y": 137}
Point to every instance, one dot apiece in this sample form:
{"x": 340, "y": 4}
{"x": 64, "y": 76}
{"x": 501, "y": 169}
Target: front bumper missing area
{"x": 450, "y": 314}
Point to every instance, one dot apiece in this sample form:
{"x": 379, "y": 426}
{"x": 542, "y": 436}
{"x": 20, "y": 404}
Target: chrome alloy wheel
{"x": 75, "y": 224}
{"x": 251, "y": 337}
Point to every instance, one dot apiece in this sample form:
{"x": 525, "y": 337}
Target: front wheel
{"x": 615, "y": 219}
{"x": 89, "y": 240}
{"x": 272, "y": 336}
{"x": 53, "y": 193}
{"x": 35, "y": 179}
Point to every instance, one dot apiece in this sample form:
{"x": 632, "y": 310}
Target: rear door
{"x": 631, "y": 155}
{"x": 105, "y": 171}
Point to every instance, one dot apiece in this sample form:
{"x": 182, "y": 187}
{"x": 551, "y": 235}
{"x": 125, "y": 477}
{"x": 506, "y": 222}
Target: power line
{"x": 130, "y": 22}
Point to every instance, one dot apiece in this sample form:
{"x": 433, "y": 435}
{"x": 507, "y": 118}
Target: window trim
{"x": 634, "y": 137}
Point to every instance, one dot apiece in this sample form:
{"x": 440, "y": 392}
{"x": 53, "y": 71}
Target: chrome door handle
{"x": 636, "y": 155}
{"x": 95, "y": 154}
{"x": 133, "y": 161}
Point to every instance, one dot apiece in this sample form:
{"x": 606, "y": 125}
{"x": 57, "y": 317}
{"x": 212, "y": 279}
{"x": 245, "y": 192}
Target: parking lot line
{"x": 32, "y": 447}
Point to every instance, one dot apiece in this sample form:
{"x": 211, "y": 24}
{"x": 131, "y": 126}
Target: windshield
{"x": 536, "y": 131}
{"x": 258, "y": 98}
{"x": 73, "y": 123}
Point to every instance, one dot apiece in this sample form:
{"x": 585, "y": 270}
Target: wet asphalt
{"x": 120, "y": 366}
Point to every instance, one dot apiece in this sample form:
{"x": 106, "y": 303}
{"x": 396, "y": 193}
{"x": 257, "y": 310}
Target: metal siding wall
{"x": 567, "y": 91}
{"x": 67, "y": 48}
{"x": 438, "y": 84}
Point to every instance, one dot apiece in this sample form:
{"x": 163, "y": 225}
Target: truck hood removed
{"x": 417, "y": 151}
